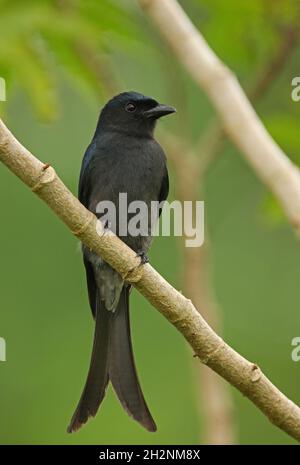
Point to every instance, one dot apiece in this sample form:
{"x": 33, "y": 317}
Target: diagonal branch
{"x": 240, "y": 121}
{"x": 179, "y": 311}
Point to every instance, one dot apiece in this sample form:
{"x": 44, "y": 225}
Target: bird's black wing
{"x": 84, "y": 184}
{"x": 91, "y": 285}
{"x": 83, "y": 196}
{"x": 164, "y": 190}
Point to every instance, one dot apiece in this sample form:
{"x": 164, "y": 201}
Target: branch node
{"x": 46, "y": 176}
{"x": 255, "y": 373}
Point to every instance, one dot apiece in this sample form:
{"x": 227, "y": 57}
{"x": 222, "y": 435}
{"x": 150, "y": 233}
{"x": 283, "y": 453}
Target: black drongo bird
{"x": 123, "y": 157}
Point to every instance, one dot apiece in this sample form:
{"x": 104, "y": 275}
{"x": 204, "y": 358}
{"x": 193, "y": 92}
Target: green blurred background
{"x": 61, "y": 60}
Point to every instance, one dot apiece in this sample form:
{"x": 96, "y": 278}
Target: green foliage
{"x": 284, "y": 128}
{"x": 244, "y": 33}
{"x": 272, "y": 214}
{"x": 39, "y": 39}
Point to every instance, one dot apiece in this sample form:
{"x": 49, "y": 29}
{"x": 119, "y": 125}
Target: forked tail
{"x": 112, "y": 359}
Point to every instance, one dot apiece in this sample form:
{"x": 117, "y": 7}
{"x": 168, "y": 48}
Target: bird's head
{"x": 132, "y": 113}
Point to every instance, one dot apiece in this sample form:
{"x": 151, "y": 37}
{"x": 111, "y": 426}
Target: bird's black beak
{"x": 159, "y": 110}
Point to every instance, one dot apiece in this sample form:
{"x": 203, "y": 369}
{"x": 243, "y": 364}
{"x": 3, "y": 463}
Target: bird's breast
{"x": 132, "y": 166}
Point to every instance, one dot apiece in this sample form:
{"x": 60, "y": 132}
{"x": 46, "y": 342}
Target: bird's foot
{"x": 144, "y": 258}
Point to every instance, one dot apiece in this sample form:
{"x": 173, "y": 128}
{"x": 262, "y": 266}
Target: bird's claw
{"x": 144, "y": 258}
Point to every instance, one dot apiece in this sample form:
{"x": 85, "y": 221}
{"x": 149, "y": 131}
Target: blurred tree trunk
{"x": 213, "y": 397}
{"x": 190, "y": 168}
{"x": 214, "y": 402}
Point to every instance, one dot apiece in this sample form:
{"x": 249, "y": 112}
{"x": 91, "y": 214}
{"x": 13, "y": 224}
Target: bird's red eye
{"x": 130, "y": 107}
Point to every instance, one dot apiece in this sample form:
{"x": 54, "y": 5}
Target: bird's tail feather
{"x": 112, "y": 358}
{"x": 97, "y": 378}
{"x": 122, "y": 371}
